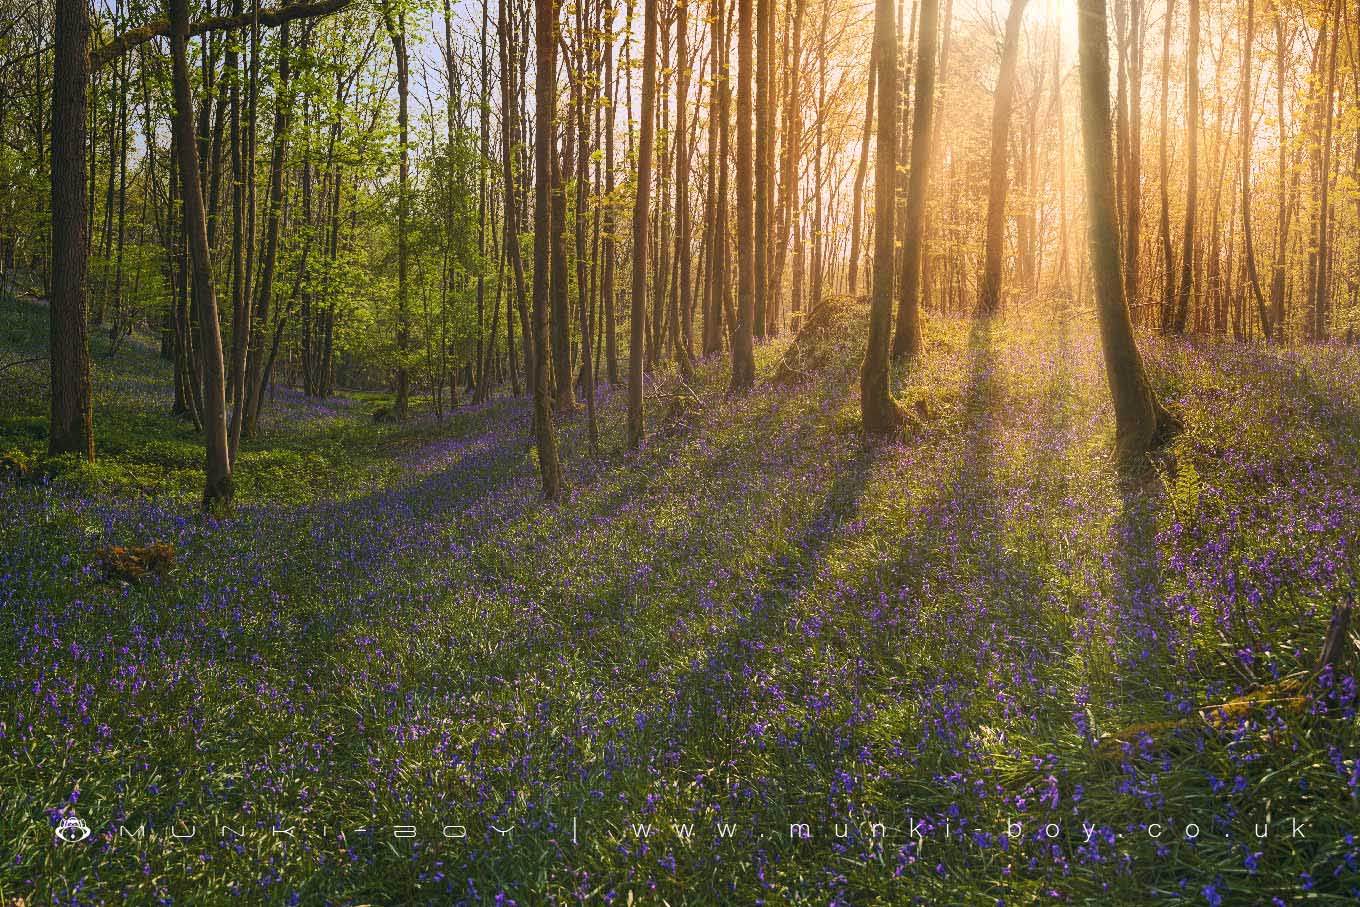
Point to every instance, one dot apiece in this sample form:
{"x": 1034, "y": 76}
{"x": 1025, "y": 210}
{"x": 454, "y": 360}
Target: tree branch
{"x": 107, "y": 53}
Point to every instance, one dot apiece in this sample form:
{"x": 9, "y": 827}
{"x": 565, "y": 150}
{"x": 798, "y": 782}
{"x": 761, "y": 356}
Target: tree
{"x": 1168, "y": 302}
{"x": 1187, "y": 280}
{"x": 509, "y": 116}
{"x": 989, "y": 292}
{"x": 642, "y": 224}
{"x": 681, "y": 299}
{"x": 217, "y": 490}
{"x": 880, "y": 414}
{"x": 743, "y": 340}
{"x": 1141, "y": 422}
{"x": 1253, "y": 279}
{"x": 1322, "y": 256}
{"x": 396, "y": 30}
{"x": 908, "y": 339}
{"x": 71, "y": 429}
{"x": 545, "y": 108}
{"x": 857, "y": 205}
{"x": 764, "y": 164}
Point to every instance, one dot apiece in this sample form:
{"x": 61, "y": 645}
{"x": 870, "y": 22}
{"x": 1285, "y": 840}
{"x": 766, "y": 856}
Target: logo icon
{"x": 72, "y": 830}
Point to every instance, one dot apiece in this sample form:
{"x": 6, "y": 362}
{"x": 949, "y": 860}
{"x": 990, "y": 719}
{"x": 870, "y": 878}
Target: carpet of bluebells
{"x": 760, "y": 661}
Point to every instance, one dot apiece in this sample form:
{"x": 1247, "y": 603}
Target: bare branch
{"x": 107, "y": 53}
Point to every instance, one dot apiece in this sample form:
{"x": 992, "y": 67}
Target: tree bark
{"x": 545, "y": 104}
{"x": 396, "y": 30}
{"x": 880, "y": 414}
{"x": 217, "y": 490}
{"x": 509, "y": 116}
{"x": 71, "y": 428}
{"x": 857, "y": 204}
{"x": 642, "y": 225}
{"x": 682, "y": 165}
{"x": 1187, "y": 281}
{"x": 1322, "y": 278}
{"x": 1253, "y": 278}
{"x": 743, "y": 340}
{"x": 611, "y": 341}
{"x": 1168, "y": 304}
{"x": 1140, "y": 420}
{"x": 989, "y": 292}
{"x": 908, "y": 342}
{"x": 764, "y": 161}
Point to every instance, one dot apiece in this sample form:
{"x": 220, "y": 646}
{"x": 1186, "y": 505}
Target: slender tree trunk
{"x": 879, "y": 412}
{"x": 545, "y": 104}
{"x": 908, "y": 341}
{"x": 1187, "y": 282}
{"x": 642, "y": 225}
{"x": 269, "y": 262}
{"x": 743, "y": 338}
{"x": 713, "y": 321}
{"x": 682, "y": 164}
{"x": 857, "y": 205}
{"x": 217, "y": 491}
{"x": 1322, "y": 279}
{"x": 71, "y": 429}
{"x": 989, "y": 293}
{"x": 396, "y": 30}
{"x": 764, "y": 161}
{"x": 611, "y": 331}
{"x": 1140, "y": 421}
{"x": 1277, "y": 279}
{"x": 1253, "y": 279}
{"x": 792, "y": 156}
{"x": 484, "y": 130}
{"x": 564, "y": 395}
{"x": 1168, "y": 306}
{"x": 509, "y": 116}
{"x": 582, "y": 186}
{"x": 1133, "y": 171}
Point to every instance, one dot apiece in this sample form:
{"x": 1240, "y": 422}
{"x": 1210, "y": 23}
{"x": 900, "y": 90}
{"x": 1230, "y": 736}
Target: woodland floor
{"x": 759, "y": 620}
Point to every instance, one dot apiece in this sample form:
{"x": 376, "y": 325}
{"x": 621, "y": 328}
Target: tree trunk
{"x": 509, "y": 116}
{"x": 71, "y": 429}
{"x": 764, "y": 161}
{"x": 564, "y": 396}
{"x": 1168, "y": 306}
{"x": 269, "y": 262}
{"x": 788, "y": 176}
{"x": 857, "y": 205}
{"x": 1277, "y": 278}
{"x": 989, "y": 292}
{"x": 217, "y": 490}
{"x": 582, "y": 186}
{"x": 682, "y": 164}
{"x": 713, "y": 321}
{"x": 545, "y": 105}
{"x": 1187, "y": 282}
{"x": 743, "y": 339}
{"x": 1323, "y": 242}
{"x": 1253, "y": 279}
{"x": 611, "y": 342}
{"x": 908, "y": 341}
{"x": 880, "y": 414}
{"x": 642, "y": 224}
{"x": 1133, "y": 171}
{"x": 396, "y": 30}
{"x": 1140, "y": 421}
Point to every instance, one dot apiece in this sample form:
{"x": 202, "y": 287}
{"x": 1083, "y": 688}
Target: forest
{"x": 776, "y": 451}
